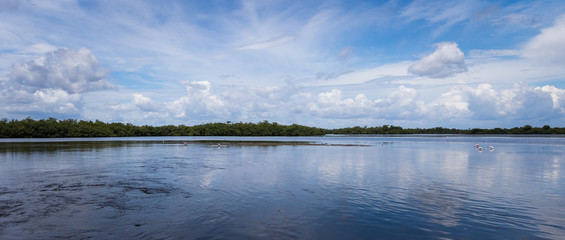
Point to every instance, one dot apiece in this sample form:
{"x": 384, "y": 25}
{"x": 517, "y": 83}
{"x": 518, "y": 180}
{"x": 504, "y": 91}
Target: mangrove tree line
{"x": 53, "y": 128}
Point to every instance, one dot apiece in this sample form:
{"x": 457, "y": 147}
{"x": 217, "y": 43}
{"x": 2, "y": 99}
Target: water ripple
{"x": 407, "y": 190}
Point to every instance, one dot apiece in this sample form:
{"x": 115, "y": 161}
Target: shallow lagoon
{"x": 335, "y": 187}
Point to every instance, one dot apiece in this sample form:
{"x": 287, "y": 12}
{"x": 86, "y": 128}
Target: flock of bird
{"x": 480, "y": 149}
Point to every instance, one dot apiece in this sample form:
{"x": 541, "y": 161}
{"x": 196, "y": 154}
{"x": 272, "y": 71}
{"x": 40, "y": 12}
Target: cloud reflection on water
{"x": 420, "y": 188}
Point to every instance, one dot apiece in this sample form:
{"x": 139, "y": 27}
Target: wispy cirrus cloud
{"x": 267, "y": 44}
{"x": 549, "y": 45}
{"x": 306, "y": 62}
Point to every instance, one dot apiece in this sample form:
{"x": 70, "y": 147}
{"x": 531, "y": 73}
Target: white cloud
{"x": 53, "y": 83}
{"x": 526, "y": 102}
{"x": 144, "y": 103}
{"x": 461, "y": 106}
{"x": 66, "y": 69}
{"x": 557, "y": 96}
{"x": 491, "y": 53}
{"x": 402, "y": 103}
{"x": 460, "y": 103}
{"x": 520, "y": 102}
{"x": 549, "y": 45}
{"x": 444, "y": 14}
{"x": 39, "y": 48}
{"x": 445, "y": 61}
{"x": 332, "y": 105}
{"x": 496, "y": 70}
{"x": 527, "y": 14}
{"x": 517, "y": 19}
{"x": 449, "y": 105}
{"x": 123, "y": 107}
{"x": 258, "y": 103}
{"x": 58, "y": 100}
{"x": 199, "y": 102}
{"x": 483, "y": 101}
{"x": 267, "y": 44}
{"x": 364, "y": 75}
{"x": 138, "y": 102}
{"x": 437, "y": 11}
{"x": 52, "y": 101}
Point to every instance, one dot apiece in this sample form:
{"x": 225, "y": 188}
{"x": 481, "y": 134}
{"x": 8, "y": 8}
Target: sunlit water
{"x": 407, "y": 187}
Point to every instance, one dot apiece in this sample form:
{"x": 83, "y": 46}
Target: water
{"x": 337, "y": 187}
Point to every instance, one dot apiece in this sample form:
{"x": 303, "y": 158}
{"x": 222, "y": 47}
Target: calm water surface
{"x": 372, "y": 187}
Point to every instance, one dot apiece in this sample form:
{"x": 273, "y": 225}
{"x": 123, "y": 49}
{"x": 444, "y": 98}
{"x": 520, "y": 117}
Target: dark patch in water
{"x": 134, "y": 186}
{"x": 7, "y": 207}
{"x": 71, "y": 196}
{"x": 409, "y": 191}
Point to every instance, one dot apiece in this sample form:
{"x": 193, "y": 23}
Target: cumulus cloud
{"x": 445, "y": 61}
{"x": 549, "y": 45}
{"x": 199, "y": 101}
{"x": 144, "y": 103}
{"x": 402, "y": 103}
{"x": 275, "y": 102}
{"x": 53, "y": 101}
{"x": 450, "y": 105}
{"x": 331, "y": 104}
{"x": 527, "y": 102}
{"x": 138, "y": 102}
{"x": 557, "y": 96}
{"x": 66, "y": 69}
{"x": 483, "y": 102}
{"x": 54, "y": 82}
{"x": 460, "y": 104}
{"x": 58, "y": 100}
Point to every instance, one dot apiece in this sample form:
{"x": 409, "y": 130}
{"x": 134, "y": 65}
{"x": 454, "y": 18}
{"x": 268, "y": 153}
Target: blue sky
{"x": 330, "y": 64}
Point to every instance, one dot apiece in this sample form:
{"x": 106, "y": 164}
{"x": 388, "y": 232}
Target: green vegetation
{"x": 51, "y": 128}
{"x": 386, "y": 129}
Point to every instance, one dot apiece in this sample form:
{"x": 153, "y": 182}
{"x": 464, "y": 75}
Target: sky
{"x": 330, "y": 64}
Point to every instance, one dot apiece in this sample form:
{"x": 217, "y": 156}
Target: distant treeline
{"x": 386, "y": 129}
{"x": 53, "y": 128}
